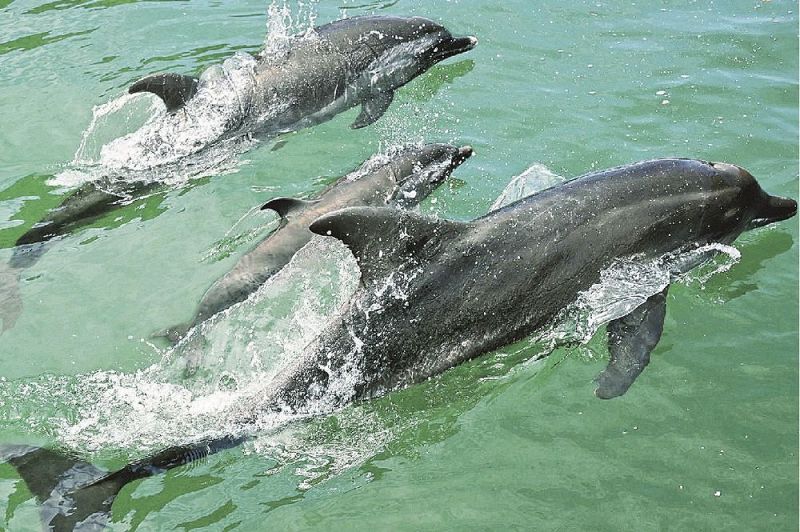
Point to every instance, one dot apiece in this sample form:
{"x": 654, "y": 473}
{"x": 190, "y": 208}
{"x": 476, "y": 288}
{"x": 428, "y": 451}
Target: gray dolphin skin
{"x": 340, "y": 65}
{"x": 435, "y": 293}
{"x": 350, "y": 62}
{"x": 402, "y": 179}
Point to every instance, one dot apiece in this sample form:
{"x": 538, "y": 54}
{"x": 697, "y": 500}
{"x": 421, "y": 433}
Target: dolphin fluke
{"x": 174, "y": 89}
{"x": 72, "y": 493}
{"x": 76, "y": 495}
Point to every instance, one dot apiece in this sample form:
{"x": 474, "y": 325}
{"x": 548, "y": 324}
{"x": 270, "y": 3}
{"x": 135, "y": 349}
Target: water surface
{"x": 707, "y": 438}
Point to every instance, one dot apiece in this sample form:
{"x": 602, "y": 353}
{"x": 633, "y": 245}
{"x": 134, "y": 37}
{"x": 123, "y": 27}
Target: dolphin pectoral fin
{"x": 382, "y": 239}
{"x": 631, "y": 338}
{"x": 174, "y": 89}
{"x": 287, "y": 206}
{"x": 373, "y": 109}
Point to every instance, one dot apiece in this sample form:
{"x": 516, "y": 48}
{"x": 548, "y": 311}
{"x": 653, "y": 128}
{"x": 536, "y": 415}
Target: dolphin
{"x": 402, "y": 178}
{"x": 358, "y": 61}
{"x": 501, "y": 277}
{"x": 435, "y": 293}
{"x": 337, "y": 66}
{"x": 84, "y": 205}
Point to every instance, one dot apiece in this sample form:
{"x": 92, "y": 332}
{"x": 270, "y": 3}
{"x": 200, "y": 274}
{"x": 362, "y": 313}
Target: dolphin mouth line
{"x": 455, "y": 46}
{"x": 776, "y": 209}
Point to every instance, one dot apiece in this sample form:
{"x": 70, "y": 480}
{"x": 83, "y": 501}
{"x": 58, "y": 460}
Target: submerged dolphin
{"x": 402, "y": 179}
{"x": 344, "y": 64}
{"x": 435, "y": 293}
{"x": 81, "y": 207}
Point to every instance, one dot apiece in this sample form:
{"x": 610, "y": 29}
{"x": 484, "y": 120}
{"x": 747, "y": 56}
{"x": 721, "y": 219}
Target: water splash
{"x": 134, "y": 138}
{"x": 88, "y": 151}
{"x": 238, "y": 353}
{"x": 219, "y": 106}
{"x": 535, "y": 179}
{"x": 285, "y": 24}
{"x": 629, "y": 282}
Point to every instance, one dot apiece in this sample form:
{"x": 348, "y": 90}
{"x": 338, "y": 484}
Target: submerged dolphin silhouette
{"x": 435, "y": 293}
{"x": 402, "y": 179}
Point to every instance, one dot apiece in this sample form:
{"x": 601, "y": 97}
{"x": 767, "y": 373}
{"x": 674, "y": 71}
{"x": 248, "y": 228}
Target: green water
{"x": 706, "y": 439}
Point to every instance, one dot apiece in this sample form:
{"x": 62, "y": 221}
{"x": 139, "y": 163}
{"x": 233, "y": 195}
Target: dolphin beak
{"x": 464, "y": 153}
{"x": 774, "y": 209}
{"x": 454, "y": 46}
{"x": 771, "y": 209}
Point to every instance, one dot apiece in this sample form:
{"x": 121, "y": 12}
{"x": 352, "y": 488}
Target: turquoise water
{"x": 707, "y": 438}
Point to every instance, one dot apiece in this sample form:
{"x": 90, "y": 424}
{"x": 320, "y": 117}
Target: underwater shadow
{"x": 46, "y": 214}
{"x": 425, "y": 87}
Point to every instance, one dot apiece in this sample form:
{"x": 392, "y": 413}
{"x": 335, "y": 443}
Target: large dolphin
{"x": 359, "y": 61}
{"x": 402, "y": 178}
{"x": 499, "y": 278}
{"x": 435, "y": 293}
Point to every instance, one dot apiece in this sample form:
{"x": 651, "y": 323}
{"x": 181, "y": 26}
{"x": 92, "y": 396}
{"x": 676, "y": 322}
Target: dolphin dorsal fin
{"x": 174, "y": 89}
{"x": 383, "y": 239}
{"x": 287, "y": 206}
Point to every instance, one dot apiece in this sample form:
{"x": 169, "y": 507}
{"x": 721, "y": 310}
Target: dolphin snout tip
{"x": 783, "y": 208}
{"x": 473, "y": 41}
{"x": 464, "y": 153}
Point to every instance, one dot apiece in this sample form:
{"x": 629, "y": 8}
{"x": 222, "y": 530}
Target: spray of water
{"x": 133, "y": 138}
{"x": 535, "y": 179}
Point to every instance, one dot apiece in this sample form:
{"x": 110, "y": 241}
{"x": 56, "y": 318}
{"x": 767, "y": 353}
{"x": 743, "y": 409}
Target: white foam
{"x": 629, "y": 282}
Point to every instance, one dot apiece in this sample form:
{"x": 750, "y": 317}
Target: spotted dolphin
{"x": 402, "y": 178}
{"x": 435, "y": 293}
